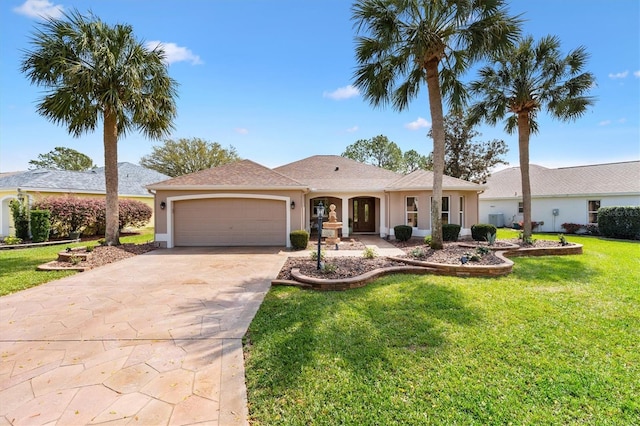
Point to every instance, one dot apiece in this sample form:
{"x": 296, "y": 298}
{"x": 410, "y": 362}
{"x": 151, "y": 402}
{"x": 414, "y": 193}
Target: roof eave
{"x": 225, "y": 188}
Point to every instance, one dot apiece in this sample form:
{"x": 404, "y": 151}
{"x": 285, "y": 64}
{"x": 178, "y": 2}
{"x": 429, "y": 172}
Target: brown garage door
{"x": 229, "y": 222}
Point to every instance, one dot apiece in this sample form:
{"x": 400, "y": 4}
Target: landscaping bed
{"x": 80, "y": 259}
{"x": 460, "y": 258}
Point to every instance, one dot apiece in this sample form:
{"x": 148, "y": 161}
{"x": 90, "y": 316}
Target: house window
{"x": 444, "y": 210}
{"x": 594, "y": 205}
{"x": 412, "y": 211}
{"x": 520, "y": 207}
{"x": 461, "y": 213}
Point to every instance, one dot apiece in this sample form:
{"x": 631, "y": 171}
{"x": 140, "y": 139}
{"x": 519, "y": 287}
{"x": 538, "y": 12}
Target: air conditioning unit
{"x": 497, "y": 220}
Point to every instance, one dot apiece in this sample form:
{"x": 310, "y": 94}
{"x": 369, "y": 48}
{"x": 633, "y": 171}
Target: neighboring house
{"x": 564, "y": 195}
{"x": 245, "y": 203}
{"x": 45, "y": 182}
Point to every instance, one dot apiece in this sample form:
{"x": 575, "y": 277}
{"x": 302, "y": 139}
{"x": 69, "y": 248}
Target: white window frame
{"x": 408, "y": 212}
{"x": 443, "y": 211}
{"x": 461, "y": 212}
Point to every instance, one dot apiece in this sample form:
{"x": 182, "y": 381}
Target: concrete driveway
{"x": 154, "y": 339}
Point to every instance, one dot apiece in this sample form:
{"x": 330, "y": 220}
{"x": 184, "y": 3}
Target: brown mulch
{"x": 103, "y": 255}
{"x": 346, "y": 267}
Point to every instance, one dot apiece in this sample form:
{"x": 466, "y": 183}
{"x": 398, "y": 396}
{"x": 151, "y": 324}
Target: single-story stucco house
{"x": 245, "y": 203}
{"x": 562, "y": 195}
{"x": 132, "y": 179}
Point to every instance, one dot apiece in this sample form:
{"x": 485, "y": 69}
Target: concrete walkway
{"x": 151, "y": 340}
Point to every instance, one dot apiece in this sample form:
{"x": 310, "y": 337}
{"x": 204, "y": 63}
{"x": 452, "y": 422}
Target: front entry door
{"x": 364, "y": 214}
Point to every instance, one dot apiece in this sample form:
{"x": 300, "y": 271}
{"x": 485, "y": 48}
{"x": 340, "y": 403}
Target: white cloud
{"x": 352, "y": 129}
{"x": 418, "y": 124}
{"x": 636, "y": 74}
{"x": 39, "y": 9}
{"x": 623, "y": 74}
{"x": 241, "y": 130}
{"x": 604, "y": 123}
{"x": 342, "y": 93}
{"x": 175, "y": 53}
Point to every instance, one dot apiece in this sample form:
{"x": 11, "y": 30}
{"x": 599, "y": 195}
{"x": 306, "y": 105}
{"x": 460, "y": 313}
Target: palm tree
{"x": 521, "y": 82}
{"x": 92, "y": 71}
{"x": 405, "y": 42}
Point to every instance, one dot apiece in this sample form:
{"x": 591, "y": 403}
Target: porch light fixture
{"x": 163, "y": 205}
{"x": 293, "y": 205}
{"x": 320, "y": 208}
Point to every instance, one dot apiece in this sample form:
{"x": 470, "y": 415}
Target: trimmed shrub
{"x": 402, "y": 232}
{"x": 571, "y": 228}
{"x": 87, "y": 215}
{"x": 619, "y": 222}
{"x": 299, "y": 239}
{"x": 20, "y": 213}
{"x": 450, "y": 232}
{"x": 479, "y": 231}
{"x": 40, "y": 225}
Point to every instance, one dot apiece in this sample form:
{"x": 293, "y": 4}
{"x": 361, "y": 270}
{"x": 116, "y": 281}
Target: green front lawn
{"x": 18, "y": 266}
{"x": 556, "y": 342}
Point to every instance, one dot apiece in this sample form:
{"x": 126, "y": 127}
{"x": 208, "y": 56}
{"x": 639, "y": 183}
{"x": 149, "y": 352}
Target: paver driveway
{"x": 150, "y": 340}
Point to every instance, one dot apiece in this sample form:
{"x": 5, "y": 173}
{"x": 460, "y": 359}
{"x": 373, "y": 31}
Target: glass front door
{"x": 364, "y": 214}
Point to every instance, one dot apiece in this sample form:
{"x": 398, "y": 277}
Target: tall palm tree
{"x": 405, "y": 43}
{"x": 95, "y": 72}
{"x": 521, "y": 82}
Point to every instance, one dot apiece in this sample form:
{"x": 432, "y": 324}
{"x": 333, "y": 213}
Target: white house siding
{"x": 571, "y": 209}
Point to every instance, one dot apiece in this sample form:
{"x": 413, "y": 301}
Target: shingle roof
{"x": 336, "y": 173}
{"x": 240, "y": 174}
{"x": 423, "y": 179}
{"x": 131, "y": 180}
{"x": 611, "y": 178}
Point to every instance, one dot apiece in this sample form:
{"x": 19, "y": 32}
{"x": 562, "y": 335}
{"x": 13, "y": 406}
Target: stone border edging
{"x": 48, "y": 267}
{"x": 422, "y": 268}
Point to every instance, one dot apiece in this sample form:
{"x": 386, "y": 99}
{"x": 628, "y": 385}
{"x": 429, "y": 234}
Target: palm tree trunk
{"x": 524, "y": 132}
{"x": 110, "y": 139}
{"x": 438, "y": 133}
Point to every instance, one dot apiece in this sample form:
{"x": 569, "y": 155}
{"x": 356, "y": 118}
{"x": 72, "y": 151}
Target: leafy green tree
{"x": 402, "y": 46}
{"x": 412, "y": 161}
{"x": 62, "y": 158}
{"x": 176, "y": 158}
{"x": 464, "y": 158}
{"x": 92, "y": 73}
{"x": 378, "y": 151}
{"x": 521, "y": 82}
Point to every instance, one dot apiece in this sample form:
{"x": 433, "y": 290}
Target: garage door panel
{"x": 229, "y": 222}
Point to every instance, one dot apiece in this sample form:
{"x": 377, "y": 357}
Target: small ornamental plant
{"x": 369, "y": 253}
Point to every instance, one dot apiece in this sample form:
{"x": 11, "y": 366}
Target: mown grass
{"x": 556, "y": 342}
{"x": 18, "y": 266}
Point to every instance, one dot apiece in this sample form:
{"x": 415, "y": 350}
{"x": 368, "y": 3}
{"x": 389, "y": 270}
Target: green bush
{"x": 299, "y": 239}
{"x": 450, "y": 232}
{"x": 402, "y": 232}
{"x": 619, "y": 222}
{"x": 479, "y": 231}
{"x": 369, "y": 253}
{"x": 40, "y": 225}
{"x": 20, "y": 213}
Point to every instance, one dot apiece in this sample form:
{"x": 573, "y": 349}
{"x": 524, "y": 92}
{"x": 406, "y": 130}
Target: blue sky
{"x": 273, "y": 79}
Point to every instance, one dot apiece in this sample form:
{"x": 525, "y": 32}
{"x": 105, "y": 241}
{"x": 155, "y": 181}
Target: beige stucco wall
{"x": 397, "y": 212}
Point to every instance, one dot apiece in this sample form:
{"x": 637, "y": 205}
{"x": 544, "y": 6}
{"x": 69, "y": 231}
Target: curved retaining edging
{"x": 349, "y": 283}
{"x": 466, "y": 270}
{"x": 422, "y": 268}
{"x": 572, "y": 248}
